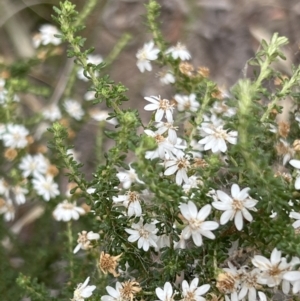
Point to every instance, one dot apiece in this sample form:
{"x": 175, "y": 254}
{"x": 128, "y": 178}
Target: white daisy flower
{"x": 19, "y": 193}
{"x": 197, "y": 226}
{"x": 165, "y": 294}
{"x": 66, "y": 211}
{"x": 145, "y": 55}
{"x": 165, "y": 149}
{"x": 83, "y": 291}
{"x": 4, "y": 188}
{"x": 178, "y": 166}
{"x": 179, "y": 51}
{"x": 235, "y": 207}
{"x": 131, "y": 201}
{"x": 192, "y": 292}
{"x": 187, "y": 102}
{"x": 272, "y": 270}
{"x": 161, "y": 106}
{"x": 45, "y": 187}
{"x": 114, "y": 294}
{"x": 84, "y": 240}
{"x": 74, "y": 109}
{"x": 15, "y": 136}
{"x": 215, "y": 137}
{"x": 7, "y": 209}
{"x": 228, "y": 282}
{"x": 94, "y": 59}
{"x": 89, "y": 95}
{"x": 166, "y": 77}
{"x": 33, "y": 165}
{"x": 46, "y": 36}
{"x": 128, "y": 177}
{"x": 144, "y": 234}
{"x": 220, "y": 107}
{"x": 52, "y": 113}
{"x": 194, "y": 182}
{"x": 163, "y": 146}
{"x": 102, "y": 115}
{"x": 162, "y": 127}
{"x": 296, "y": 164}
{"x": 249, "y": 284}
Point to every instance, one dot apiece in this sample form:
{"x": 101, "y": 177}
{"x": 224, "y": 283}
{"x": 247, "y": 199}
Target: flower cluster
{"x": 210, "y": 167}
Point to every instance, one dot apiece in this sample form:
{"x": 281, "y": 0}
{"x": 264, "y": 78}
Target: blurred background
{"x": 221, "y": 34}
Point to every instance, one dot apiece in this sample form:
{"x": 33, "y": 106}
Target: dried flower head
{"x": 284, "y": 175}
{"x": 186, "y": 68}
{"x": 129, "y": 289}
{"x": 2, "y": 202}
{"x": 283, "y": 129}
{"x": 296, "y": 145}
{"x": 278, "y": 80}
{"x": 217, "y": 94}
{"x": 284, "y": 149}
{"x": 52, "y": 170}
{"x": 203, "y": 71}
{"x": 108, "y": 263}
{"x": 199, "y": 162}
{"x": 10, "y": 154}
{"x": 214, "y": 297}
{"x": 226, "y": 283}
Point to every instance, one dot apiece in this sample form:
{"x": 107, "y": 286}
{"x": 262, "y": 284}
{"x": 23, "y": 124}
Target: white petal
{"x": 203, "y": 289}
{"x": 297, "y": 183}
{"x": 77, "y": 248}
{"x": 209, "y": 226}
{"x": 275, "y": 256}
{"x": 262, "y": 296}
{"x": 192, "y": 209}
{"x": 204, "y": 212}
{"x": 223, "y": 197}
{"x": 295, "y": 163}
{"x": 197, "y": 239}
{"x": 247, "y": 215}
{"x": 160, "y": 293}
{"x": 168, "y": 289}
{"x": 112, "y": 292}
{"x": 151, "y": 107}
{"x": 186, "y": 233}
{"x": 292, "y": 276}
{"x": 226, "y": 216}
{"x": 185, "y": 286}
{"x": 171, "y": 170}
{"x": 235, "y": 190}
{"x": 194, "y": 284}
{"x": 243, "y": 292}
{"x": 238, "y": 220}
{"x": 221, "y": 206}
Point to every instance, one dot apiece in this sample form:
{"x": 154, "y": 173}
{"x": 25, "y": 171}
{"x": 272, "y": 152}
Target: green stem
{"x": 199, "y": 117}
{"x": 88, "y": 8}
{"x": 284, "y": 92}
{"x": 70, "y": 247}
{"x": 153, "y": 10}
{"x": 99, "y": 142}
